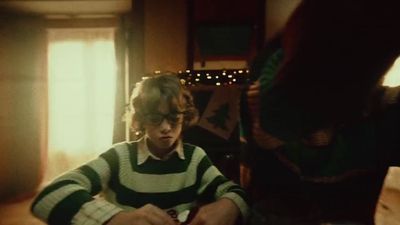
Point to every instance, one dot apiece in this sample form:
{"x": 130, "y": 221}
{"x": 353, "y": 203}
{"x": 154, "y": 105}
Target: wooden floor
{"x": 388, "y": 211}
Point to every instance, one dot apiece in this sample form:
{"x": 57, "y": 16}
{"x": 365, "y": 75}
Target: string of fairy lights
{"x": 214, "y": 77}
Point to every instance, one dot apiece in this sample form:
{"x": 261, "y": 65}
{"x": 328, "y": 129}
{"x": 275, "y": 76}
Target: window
{"x": 82, "y": 86}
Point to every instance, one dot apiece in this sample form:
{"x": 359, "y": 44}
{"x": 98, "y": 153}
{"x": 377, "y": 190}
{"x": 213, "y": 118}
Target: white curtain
{"x": 82, "y": 82}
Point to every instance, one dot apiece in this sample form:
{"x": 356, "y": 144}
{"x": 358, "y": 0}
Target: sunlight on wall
{"x": 392, "y": 78}
{"x": 82, "y": 86}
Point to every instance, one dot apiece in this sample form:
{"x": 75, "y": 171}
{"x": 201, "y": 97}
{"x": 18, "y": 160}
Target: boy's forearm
{"x": 238, "y": 201}
{"x": 98, "y": 211}
{"x": 59, "y": 202}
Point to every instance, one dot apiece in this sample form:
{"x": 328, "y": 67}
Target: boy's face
{"x": 163, "y": 128}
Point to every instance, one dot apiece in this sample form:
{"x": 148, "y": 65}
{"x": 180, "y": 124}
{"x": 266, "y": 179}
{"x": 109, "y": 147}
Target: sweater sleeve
{"x": 70, "y": 198}
{"x": 214, "y": 185}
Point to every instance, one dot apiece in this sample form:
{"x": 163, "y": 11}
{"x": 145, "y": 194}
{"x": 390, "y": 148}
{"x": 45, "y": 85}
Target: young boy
{"x": 150, "y": 181}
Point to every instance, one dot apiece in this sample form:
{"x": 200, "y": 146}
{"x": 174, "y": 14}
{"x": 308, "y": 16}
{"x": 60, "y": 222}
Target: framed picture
{"x": 224, "y": 31}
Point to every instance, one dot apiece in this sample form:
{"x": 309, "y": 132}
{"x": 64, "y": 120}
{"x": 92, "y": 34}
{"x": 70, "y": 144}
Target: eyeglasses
{"x": 156, "y": 119}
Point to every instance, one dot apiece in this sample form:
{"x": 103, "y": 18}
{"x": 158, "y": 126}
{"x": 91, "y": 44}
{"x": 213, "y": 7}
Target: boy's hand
{"x": 221, "y": 212}
{"x": 146, "y": 215}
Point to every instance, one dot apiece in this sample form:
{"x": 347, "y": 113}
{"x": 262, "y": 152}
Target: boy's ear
{"x": 136, "y": 126}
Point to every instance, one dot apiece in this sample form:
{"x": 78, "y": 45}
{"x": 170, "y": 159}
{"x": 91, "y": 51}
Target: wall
{"x": 276, "y": 14}
{"x": 165, "y": 34}
{"x": 22, "y": 104}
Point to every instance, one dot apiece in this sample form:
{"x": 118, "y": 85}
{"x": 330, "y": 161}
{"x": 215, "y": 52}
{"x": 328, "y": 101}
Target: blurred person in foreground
{"x": 321, "y": 130}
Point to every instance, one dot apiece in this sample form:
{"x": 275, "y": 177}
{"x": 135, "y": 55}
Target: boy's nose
{"x": 165, "y": 125}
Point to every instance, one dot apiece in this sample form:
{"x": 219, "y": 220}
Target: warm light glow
{"x": 392, "y": 77}
{"x": 215, "y": 77}
{"x": 82, "y": 83}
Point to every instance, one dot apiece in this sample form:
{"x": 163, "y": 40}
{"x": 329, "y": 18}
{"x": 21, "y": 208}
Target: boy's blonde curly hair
{"x": 148, "y": 94}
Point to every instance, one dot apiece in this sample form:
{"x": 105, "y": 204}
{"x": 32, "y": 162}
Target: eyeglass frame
{"x": 171, "y": 117}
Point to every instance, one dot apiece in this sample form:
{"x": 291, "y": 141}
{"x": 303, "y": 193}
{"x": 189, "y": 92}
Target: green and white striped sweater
{"x": 122, "y": 184}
